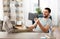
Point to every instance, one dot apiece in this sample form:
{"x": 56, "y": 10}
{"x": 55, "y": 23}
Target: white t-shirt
{"x": 44, "y": 23}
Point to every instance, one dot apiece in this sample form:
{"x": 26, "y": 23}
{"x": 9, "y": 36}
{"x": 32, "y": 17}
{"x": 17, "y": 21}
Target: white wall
{"x": 33, "y": 4}
{"x": 26, "y": 11}
{"x": 29, "y": 6}
{"x": 1, "y": 9}
{"x": 59, "y": 12}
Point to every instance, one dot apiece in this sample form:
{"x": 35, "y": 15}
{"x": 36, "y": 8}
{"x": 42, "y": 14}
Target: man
{"x": 43, "y": 24}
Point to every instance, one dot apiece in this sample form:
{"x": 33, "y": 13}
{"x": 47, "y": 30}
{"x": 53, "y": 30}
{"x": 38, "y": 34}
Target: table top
{"x": 24, "y": 35}
{"x": 29, "y": 35}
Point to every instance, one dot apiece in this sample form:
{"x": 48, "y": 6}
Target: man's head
{"x": 46, "y": 12}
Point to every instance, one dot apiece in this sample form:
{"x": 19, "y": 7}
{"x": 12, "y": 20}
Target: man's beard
{"x": 45, "y": 16}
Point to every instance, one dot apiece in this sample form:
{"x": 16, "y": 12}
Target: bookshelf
{"x": 14, "y": 9}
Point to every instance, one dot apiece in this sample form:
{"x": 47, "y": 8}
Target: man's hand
{"x": 35, "y": 19}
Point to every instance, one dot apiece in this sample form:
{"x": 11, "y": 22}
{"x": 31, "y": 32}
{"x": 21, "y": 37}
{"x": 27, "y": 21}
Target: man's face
{"x": 45, "y": 13}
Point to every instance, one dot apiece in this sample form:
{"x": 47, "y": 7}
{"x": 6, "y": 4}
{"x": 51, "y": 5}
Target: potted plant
{"x": 39, "y": 12}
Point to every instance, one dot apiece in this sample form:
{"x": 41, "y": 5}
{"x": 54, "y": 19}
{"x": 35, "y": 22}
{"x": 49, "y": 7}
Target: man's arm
{"x": 44, "y": 29}
{"x": 33, "y": 26}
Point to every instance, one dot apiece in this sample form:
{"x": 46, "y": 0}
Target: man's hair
{"x": 49, "y": 10}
